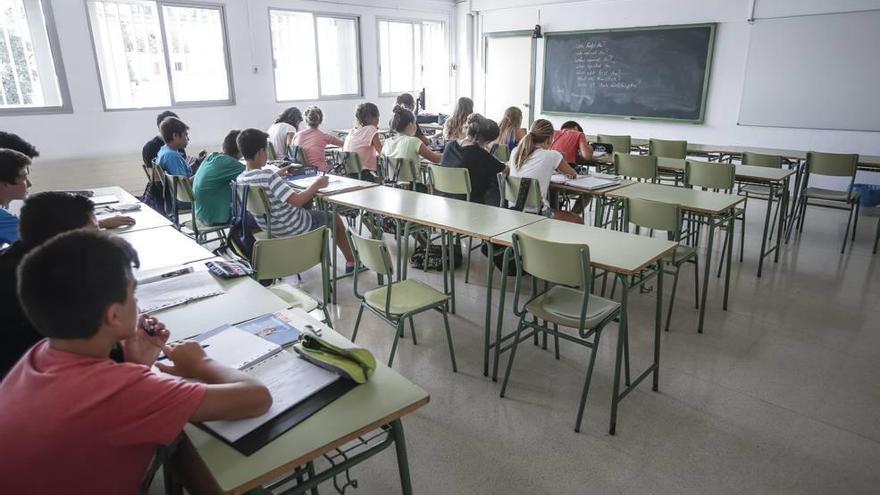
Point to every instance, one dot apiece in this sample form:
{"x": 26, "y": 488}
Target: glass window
{"x": 413, "y": 55}
{"x": 314, "y": 56}
{"x": 154, "y": 55}
{"x": 27, "y": 64}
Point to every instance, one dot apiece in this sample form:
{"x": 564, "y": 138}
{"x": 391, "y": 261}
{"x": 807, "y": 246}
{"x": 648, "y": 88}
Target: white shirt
{"x": 278, "y": 136}
{"x": 540, "y": 165}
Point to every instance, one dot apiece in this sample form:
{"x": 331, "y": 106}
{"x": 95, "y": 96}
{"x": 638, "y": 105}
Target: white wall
{"x": 90, "y": 131}
{"x": 727, "y": 71}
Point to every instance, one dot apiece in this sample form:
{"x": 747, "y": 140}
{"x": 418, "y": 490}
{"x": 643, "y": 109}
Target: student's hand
{"x": 285, "y": 170}
{"x": 321, "y": 182}
{"x": 143, "y": 348}
{"x": 116, "y": 222}
{"x": 202, "y": 154}
{"x": 188, "y": 357}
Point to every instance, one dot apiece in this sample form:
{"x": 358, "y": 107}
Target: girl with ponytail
{"x": 534, "y": 160}
{"x": 405, "y": 144}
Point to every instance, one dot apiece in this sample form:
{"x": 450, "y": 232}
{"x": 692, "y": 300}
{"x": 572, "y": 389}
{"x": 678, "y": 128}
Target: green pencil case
{"x": 351, "y": 361}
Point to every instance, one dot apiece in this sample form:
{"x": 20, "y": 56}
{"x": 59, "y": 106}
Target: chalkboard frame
{"x": 709, "y": 53}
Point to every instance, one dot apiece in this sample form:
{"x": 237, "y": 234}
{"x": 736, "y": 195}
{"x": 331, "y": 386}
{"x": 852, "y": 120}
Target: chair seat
{"x": 295, "y": 297}
{"x": 562, "y": 305}
{"x": 680, "y": 253}
{"x": 830, "y": 194}
{"x": 203, "y": 228}
{"x": 406, "y": 295}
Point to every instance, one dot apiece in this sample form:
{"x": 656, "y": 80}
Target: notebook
{"x": 273, "y": 329}
{"x": 334, "y": 184}
{"x": 167, "y": 292}
{"x": 587, "y": 182}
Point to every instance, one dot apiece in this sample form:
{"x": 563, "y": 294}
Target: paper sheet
{"x": 175, "y": 291}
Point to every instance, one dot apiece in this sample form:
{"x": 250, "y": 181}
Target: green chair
{"x": 183, "y": 191}
{"x": 638, "y": 167}
{"x": 509, "y": 189}
{"x": 453, "y": 180}
{"x": 833, "y": 165}
{"x": 760, "y": 191}
{"x": 281, "y": 257}
{"x": 271, "y": 153}
{"x": 394, "y": 302}
{"x": 718, "y": 177}
{"x": 664, "y": 216}
{"x": 567, "y": 303}
{"x": 667, "y": 148}
{"x": 258, "y": 205}
{"x": 403, "y": 171}
{"x": 297, "y": 155}
{"x": 352, "y": 163}
{"x": 500, "y": 151}
{"x": 619, "y": 144}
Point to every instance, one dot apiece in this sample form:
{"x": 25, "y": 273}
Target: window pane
{"x": 196, "y": 53}
{"x": 131, "y": 57}
{"x": 397, "y": 56}
{"x": 338, "y": 55}
{"x": 435, "y": 64}
{"x": 27, "y": 69}
{"x": 293, "y": 50}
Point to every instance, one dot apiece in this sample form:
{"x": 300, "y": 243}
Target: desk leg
{"x": 451, "y": 257}
{"x": 400, "y": 244}
{"x": 706, "y": 270}
{"x": 490, "y": 271}
{"x": 332, "y": 209}
{"x": 731, "y": 223}
{"x": 402, "y": 462}
{"x": 621, "y": 338}
{"x": 499, "y": 325}
{"x": 783, "y": 217}
{"x": 761, "y": 253}
{"x": 658, "y": 317}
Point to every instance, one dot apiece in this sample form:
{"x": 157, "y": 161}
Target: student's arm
{"x": 565, "y": 168}
{"x": 115, "y": 222}
{"x": 377, "y": 143}
{"x": 302, "y": 198}
{"x": 424, "y": 140}
{"x": 335, "y": 141}
{"x": 289, "y": 139}
{"x": 429, "y": 155}
{"x": 585, "y": 149}
{"x": 231, "y": 394}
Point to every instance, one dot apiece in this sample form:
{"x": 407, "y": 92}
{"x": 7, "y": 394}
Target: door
{"x": 509, "y": 75}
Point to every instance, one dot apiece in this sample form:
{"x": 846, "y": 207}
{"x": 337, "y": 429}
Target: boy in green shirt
{"x": 211, "y": 183}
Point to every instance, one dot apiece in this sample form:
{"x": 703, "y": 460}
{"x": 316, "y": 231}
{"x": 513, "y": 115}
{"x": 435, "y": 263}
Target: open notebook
{"x": 168, "y": 287}
{"x": 587, "y": 182}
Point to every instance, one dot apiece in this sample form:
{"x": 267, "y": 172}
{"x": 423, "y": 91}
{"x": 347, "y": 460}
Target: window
{"x": 32, "y": 77}
{"x": 155, "y": 55}
{"x": 314, "y": 55}
{"x": 412, "y": 56}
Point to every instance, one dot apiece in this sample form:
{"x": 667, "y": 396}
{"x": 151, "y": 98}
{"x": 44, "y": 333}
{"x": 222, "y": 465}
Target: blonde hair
{"x": 511, "y": 121}
{"x": 541, "y": 132}
{"x": 463, "y": 108}
{"x": 314, "y": 116}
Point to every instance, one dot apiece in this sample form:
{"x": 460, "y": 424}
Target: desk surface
{"x": 590, "y": 192}
{"x": 705, "y": 202}
{"x": 463, "y": 217}
{"x": 611, "y": 250}
{"x": 385, "y": 397}
{"x": 338, "y": 184}
{"x": 164, "y": 246}
{"x": 750, "y": 173}
{"x": 145, "y": 218}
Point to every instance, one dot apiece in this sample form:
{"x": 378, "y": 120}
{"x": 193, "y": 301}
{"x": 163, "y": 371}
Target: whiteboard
{"x": 814, "y": 72}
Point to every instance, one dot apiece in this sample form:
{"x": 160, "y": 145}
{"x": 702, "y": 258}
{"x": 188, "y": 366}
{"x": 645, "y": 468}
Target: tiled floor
{"x": 779, "y": 395}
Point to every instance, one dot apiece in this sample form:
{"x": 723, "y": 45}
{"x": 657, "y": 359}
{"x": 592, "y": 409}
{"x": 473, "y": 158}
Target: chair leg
{"x": 856, "y": 221}
{"x": 467, "y": 266}
{"x": 327, "y": 316}
{"x": 556, "y": 340}
{"x": 586, "y": 390}
{"x": 449, "y": 341}
{"x": 877, "y": 236}
{"x": 398, "y": 330}
{"x": 412, "y": 328}
{"x": 697, "y": 282}
{"x": 357, "y": 323}
{"x": 802, "y": 215}
{"x": 513, "y": 348}
{"x": 742, "y": 236}
{"x": 672, "y": 296}
{"x": 846, "y": 233}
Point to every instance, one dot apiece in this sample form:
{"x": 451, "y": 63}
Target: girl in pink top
{"x": 364, "y": 139}
{"x": 314, "y": 141}
{"x": 571, "y": 141}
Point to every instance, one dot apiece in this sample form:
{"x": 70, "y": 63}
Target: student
{"x": 151, "y": 149}
{"x": 176, "y": 136}
{"x": 533, "y": 159}
{"x": 14, "y": 184}
{"x": 481, "y": 165}
{"x": 453, "y": 128}
{"x": 288, "y": 215}
{"x": 79, "y": 422}
{"x": 405, "y": 144}
{"x": 12, "y": 141}
{"x": 511, "y": 131}
{"x": 281, "y": 133}
{"x": 313, "y": 141}
{"x": 572, "y": 143}
{"x": 409, "y": 103}
{"x": 211, "y": 183}
{"x": 364, "y": 139}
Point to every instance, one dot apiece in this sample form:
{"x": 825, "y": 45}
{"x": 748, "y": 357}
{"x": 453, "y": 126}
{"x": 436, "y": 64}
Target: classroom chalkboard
{"x": 654, "y": 73}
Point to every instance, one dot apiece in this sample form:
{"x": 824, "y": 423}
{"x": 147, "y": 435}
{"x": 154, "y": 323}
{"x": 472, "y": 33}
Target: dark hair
{"x": 572, "y": 125}
{"x": 164, "y": 115}
{"x": 47, "y": 214}
{"x": 455, "y": 124}
{"x": 250, "y": 142}
{"x": 366, "y": 111}
{"x": 314, "y": 116}
{"x": 66, "y": 284}
{"x": 12, "y": 141}
{"x": 479, "y": 128}
{"x": 171, "y": 126}
{"x": 406, "y": 100}
{"x": 230, "y": 145}
{"x": 401, "y": 118}
{"x": 290, "y": 116}
{"x": 11, "y": 163}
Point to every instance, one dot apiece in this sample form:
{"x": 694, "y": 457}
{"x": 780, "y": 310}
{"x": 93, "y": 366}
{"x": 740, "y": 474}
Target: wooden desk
{"x": 383, "y": 400}
{"x": 717, "y": 208}
{"x": 621, "y": 253}
{"x": 164, "y": 246}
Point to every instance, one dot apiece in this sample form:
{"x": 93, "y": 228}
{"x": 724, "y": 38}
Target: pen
{"x": 166, "y": 275}
{"x": 164, "y": 357}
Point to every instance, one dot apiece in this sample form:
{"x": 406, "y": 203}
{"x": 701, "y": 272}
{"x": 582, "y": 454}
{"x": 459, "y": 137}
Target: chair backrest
{"x": 286, "y": 256}
{"x": 450, "y": 180}
{"x": 835, "y": 164}
{"x": 667, "y": 148}
{"x": 556, "y": 262}
{"x": 510, "y": 191}
{"x": 710, "y": 175}
{"x": 257, "y": 203}
{"x": 619, "y": 144}
{"x": 183, "y": 189}
{"x": 160, "y": 174}
{"x": 404, "y": 170}
{"x": 500, "y": 151}
{"x": 761, "y": 160}
{"x": 655, "y": 215}
{"x": 270, "y": 150}
{"x": 635, "y": 166}
{"x": 296, "y": 154}
{"x": 352, "y": 162}
{"x": 372, "y": 253}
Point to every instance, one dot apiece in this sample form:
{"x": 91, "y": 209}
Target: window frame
{"x": 414, "y": 22}
{"x": 60, "y": 75}
{"x": 174, "y": 104}
{"x": 315, "y": 15}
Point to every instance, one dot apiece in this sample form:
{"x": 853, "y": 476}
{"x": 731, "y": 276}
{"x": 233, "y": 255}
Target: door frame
{"x": 532, "y": 62}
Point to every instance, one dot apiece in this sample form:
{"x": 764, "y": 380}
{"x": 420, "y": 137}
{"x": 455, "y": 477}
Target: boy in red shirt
{"x": 79, "y": 422}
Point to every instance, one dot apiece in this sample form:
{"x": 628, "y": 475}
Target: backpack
{"x": 242, "y": 226}
{"x": 154, "y": 197}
